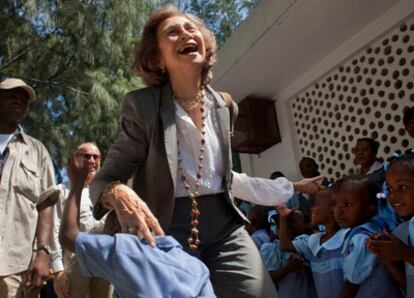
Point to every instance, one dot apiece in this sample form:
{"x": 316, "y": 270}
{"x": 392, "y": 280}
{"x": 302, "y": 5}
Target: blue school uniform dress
{"x": 260, "y": 237}
{"x": 325, "y": 261}
{"x": 405, "y": 232}
{"x": 138, "y": 270}
{"x": 294, "y": 284}
{"x": 363, "y": 268}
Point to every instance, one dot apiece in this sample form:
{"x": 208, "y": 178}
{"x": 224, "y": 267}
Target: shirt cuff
{"x": 52, "y": 190}
{"x": 57, "y": 265}
{"x": 262, "y": 191}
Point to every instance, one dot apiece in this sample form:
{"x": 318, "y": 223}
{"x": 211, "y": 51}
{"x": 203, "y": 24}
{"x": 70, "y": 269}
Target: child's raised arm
{"x": 77, "y": 171}
{"x": 285, "y": 242}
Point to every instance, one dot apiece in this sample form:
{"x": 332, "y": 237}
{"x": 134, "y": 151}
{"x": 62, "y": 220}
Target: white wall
{"x": 280, "y": 157}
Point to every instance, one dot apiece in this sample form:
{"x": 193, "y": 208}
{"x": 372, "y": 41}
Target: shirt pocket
{"x": 27, "y": 180}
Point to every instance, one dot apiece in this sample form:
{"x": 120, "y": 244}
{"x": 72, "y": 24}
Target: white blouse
{"x": 260, "y": 191}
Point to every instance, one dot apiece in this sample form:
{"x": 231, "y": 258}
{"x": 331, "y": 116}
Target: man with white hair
{"x": 27, "y": 189}
{"x": 68, "y": 278}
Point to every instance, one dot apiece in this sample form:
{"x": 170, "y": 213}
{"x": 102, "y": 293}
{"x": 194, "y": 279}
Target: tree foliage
{"x": 77, "y": 56}
{"x": 221, "y": 16}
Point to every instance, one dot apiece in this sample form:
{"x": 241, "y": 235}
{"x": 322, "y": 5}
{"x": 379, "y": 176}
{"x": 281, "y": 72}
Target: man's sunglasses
{"x": 89, "y": 156}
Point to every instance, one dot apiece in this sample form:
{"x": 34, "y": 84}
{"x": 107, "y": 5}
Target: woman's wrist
{"x": 109, "y": 195}
{"x": 298, "y": 186}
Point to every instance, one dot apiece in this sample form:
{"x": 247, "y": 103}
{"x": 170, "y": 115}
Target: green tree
{"x": 221, "y": 16}
{"x": 76, "y": 54}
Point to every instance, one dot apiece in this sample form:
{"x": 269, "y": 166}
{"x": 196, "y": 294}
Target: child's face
{"x": 363, "y": 153}
{"x": 322, "y": 210}
{"x": 410, "y": 127}
{"x": 297, "y": 224}
{"x": 308, "y": 169}
{"x": 350, "y": 205}
{"x": 400, "y": 183}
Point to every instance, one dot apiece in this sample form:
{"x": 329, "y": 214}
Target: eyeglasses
{"x": 89, "y": 156}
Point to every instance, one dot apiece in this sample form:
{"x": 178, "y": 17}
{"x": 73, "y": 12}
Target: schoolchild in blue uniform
{"x": 384, "y": 209}
{"x": 395, "y": 248}
{"x": 355, "y": 207}
{"x": 291, "y": 275}
{"x": 321, "y": 250}
{"x": 258, "y": 226}
{"x": 134, "y": 267}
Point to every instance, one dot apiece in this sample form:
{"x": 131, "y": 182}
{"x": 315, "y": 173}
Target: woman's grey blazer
{"x": 147, "y": 150}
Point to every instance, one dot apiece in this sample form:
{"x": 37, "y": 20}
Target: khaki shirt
{"x": 27, "y": 180}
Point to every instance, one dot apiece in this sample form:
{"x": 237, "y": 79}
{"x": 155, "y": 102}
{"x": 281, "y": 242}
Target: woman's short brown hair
{"x": 146, "y": 52}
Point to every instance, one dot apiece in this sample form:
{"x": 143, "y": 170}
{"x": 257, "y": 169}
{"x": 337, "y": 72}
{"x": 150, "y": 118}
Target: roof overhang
{"x": 281, "y": 40}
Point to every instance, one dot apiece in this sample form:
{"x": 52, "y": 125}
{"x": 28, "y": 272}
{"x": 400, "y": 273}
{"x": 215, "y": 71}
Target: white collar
{"x": 5, "y": 139}
{"x": 332, "y": 243}
{"x": 374, "y": 167}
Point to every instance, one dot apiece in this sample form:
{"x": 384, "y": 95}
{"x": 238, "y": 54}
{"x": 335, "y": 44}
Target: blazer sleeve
{"x": 126, "y": 155}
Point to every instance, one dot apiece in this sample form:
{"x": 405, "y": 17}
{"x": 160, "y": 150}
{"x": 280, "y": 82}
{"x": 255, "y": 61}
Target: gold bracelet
{"x": 107, "y": 193}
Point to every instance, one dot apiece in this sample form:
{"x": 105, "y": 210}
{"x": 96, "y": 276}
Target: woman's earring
{"x": 162, "y": 69}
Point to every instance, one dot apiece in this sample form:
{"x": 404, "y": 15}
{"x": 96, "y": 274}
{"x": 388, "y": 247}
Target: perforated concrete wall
{"x": 363, "y": 97}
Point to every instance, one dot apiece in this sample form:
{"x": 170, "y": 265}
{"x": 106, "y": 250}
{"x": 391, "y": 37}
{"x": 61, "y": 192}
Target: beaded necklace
{"x": 193, "y": 239}
{"x": 189, "y": 104}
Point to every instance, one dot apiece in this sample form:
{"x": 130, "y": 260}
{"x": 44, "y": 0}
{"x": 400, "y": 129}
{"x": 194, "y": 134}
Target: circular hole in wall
{"x": 404, "y": 143}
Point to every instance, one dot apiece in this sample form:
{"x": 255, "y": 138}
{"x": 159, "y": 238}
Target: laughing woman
{"x": 175, "y": 142}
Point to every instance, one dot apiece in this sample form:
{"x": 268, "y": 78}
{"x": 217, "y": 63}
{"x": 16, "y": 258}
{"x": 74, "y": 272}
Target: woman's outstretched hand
{"x": 309, "y": 185}
{"x": 133, "y": 214}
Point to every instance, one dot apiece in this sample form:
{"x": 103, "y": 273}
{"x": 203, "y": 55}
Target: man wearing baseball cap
{"x": 26, "y": 191}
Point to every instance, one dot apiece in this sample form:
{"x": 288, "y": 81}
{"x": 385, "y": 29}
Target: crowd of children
{"x": 357, "y": 239}
{"x": 354, "y": 238}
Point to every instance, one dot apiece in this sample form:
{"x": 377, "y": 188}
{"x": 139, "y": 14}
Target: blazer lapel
{"x": 222, "y": 124}
{"x": 167, "y": 112}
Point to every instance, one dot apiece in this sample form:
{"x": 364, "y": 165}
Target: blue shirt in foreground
{"x": 138, "y": 270}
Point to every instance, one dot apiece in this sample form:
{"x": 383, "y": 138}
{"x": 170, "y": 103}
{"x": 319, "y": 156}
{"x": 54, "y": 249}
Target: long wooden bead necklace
{"x": 193, "y": 239}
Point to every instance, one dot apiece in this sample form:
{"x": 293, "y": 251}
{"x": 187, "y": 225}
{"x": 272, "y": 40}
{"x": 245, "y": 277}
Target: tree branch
{"x": 17, "y": 57}
{"x": 26, "y": 50}
{"x": 45, "y": 82}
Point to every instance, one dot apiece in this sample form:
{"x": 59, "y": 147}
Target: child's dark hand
{"x": 376, "y": 236}
{"x": 283, "y": 210}
{"x": 77, "y": 168}
{"x": 295, "y": 264}
{"x": 388, "y": 248}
